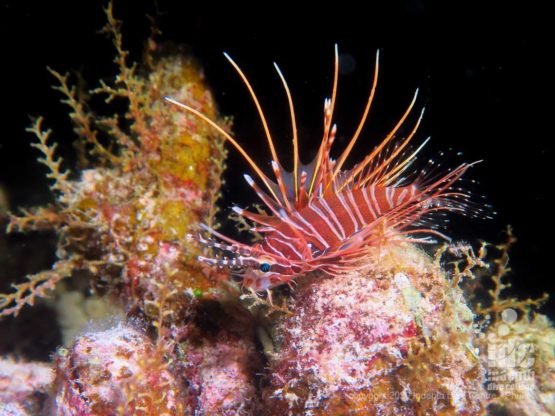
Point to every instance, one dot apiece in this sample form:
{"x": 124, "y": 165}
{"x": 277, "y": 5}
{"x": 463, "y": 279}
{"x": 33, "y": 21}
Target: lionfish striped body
{"x": 325, "y": 218}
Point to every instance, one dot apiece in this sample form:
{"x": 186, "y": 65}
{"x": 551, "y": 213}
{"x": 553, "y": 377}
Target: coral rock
{"x": 220, "y": 373}
{"x": 11, "y": 409}
{"x": 219, "y": 362}
{"x": 394, "y": 339}
{"x": 23, "y": 387}
{"x": 116, "y": 371}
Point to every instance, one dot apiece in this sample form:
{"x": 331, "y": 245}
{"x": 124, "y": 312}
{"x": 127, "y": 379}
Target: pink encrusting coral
{"x": 24, "y": 387}
{"x": 220, "y": 372}
{"x": 396, "y": 335}
{"x": 120, "y": 370}
{"x": 115, "y": 371}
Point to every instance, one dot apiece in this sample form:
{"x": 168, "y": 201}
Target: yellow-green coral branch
{"x": 467, "y": 261}
{"x": 37, "y": 286}
{"x": 80, "y": 117}
{"x": 498, "y": 304}
{"x": 112, "y": 127}
{"x": 216, "y": 178}
{"x": 38, "y": 219}
{"x": 60, "y": 178}
{"x": 522, "y": 305}
{"x": 131, "y": 86}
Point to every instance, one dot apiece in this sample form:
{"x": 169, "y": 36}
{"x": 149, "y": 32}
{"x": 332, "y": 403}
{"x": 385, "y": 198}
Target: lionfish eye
{"x": 265, "y": 267}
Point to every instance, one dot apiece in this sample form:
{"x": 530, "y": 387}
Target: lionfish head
{"x": 257, "y": 272}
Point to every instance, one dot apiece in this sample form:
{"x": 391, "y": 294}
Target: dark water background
{"x": 483, "y": 73}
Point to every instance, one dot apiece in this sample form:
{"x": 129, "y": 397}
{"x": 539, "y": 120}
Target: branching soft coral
{"x": 153, "y": 175}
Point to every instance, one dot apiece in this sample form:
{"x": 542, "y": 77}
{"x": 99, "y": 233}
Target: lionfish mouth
{"x": 324, "y": 217}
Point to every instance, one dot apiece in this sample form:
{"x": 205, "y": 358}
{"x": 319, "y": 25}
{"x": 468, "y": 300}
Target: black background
{"x": 483, "y": 76}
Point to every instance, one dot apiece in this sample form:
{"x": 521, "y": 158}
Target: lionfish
{"x": 323, "y": 217}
